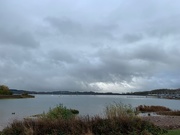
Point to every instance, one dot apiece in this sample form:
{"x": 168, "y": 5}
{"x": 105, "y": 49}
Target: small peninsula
{"x": 6, "y": 93}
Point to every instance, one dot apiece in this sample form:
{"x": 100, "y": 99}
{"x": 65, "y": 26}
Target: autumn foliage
{"x": 4, "y": 90}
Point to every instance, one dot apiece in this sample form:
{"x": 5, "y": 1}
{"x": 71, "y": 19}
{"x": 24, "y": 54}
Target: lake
{"x": 86, "y": 104}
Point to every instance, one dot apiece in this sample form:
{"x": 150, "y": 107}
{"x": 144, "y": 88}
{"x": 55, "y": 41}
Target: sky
{"x": 90, "y": 45}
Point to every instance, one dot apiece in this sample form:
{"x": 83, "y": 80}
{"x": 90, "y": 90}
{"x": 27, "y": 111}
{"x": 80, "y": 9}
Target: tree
{"x": 4, "y": 90}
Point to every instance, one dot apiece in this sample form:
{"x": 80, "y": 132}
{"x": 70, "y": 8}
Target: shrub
{"x": 4, "y": 90}
{"x": 60, "y": 112}
{"x": 25, "y": 94}
{"x": 74, "y": 111}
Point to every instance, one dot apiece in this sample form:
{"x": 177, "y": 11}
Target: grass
{"x": 119, "y": 119}
{"x": 173, "y": 132}
{"x": 119, "y": 110}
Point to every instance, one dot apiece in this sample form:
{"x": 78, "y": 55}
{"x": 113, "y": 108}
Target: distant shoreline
{"x": 16, "y": 96}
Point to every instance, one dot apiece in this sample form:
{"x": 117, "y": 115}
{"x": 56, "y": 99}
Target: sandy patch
{"x": 168, "y": 122}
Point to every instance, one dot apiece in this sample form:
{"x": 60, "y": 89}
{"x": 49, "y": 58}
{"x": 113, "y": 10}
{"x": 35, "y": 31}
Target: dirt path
{"x": 168, "y": 122}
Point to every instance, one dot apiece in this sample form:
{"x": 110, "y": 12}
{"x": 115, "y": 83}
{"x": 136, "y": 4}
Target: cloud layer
{"x": 117, "y": 46}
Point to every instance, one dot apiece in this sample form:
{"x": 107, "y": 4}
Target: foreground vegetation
{"x": 119, "y": 119}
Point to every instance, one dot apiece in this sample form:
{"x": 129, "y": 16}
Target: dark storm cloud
{"x": 151, "y": 53}
{"x": 113, "y": 46}
{"x": 15, "y": 37}
{"x": 111, "y": 65}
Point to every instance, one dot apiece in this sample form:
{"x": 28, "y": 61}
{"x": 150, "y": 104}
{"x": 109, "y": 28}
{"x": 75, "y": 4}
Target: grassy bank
{"x": 15, "y": 96}
{"x": 161, "y": 110}
{"x": 144, "y": 108}
{"x": 119, "y": 119}
{"x": 173, "y": 132}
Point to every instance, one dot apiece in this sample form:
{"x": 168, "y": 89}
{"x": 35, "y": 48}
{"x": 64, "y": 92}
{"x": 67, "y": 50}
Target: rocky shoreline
{"x": 167, "y": 122}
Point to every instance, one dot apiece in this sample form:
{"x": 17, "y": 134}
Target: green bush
{"x": 60, "y": 112}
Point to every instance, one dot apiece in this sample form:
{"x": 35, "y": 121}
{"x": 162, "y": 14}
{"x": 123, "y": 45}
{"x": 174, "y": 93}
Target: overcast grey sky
{"x": 83, "y": 45}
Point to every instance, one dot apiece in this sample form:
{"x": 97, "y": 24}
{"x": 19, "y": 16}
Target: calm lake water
{"x": 88, "y": 104}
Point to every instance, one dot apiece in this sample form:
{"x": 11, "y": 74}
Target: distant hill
{"x": 15, "y": 91}
{"x": 156, "y": 91}
{"x": 159, "y": 91}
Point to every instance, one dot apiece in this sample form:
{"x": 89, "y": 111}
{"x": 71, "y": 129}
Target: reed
{"x": 144, "y": 108}
{"x": 119, "y": 110}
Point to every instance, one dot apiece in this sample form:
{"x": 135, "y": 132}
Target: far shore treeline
{"x": 4, "y": 90}
{"x": 62, "y": 92}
